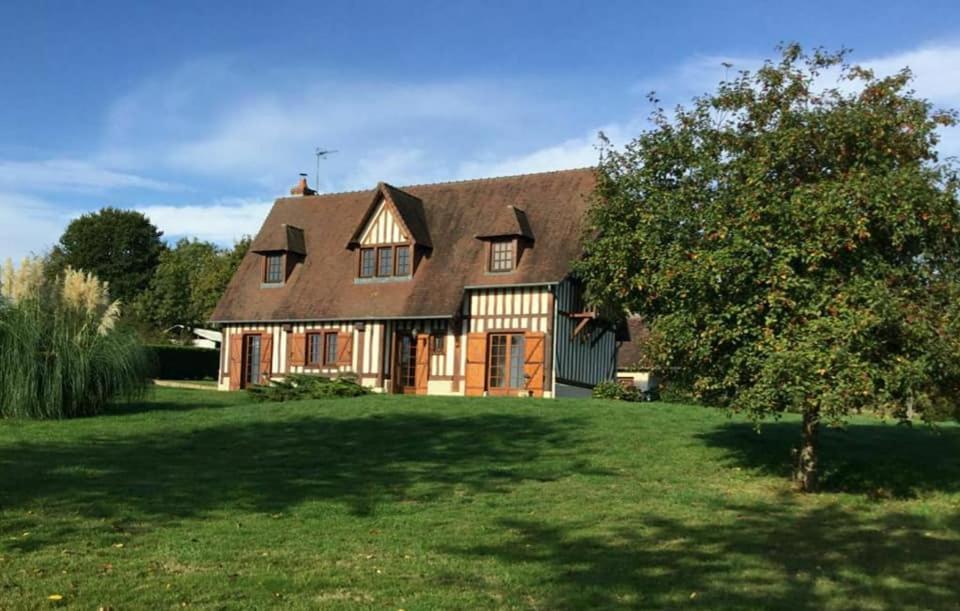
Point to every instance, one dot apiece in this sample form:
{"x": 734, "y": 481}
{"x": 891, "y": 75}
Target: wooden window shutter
{"x": 422, "y": 371}
{"x": 476, "y": 373}
{"x": 533, "y": 362}
{"x": 297, "y": 355}
{"x": 266, "y": 357}
{"x": 236, "y": 360}
{"x": 345, "y": 349}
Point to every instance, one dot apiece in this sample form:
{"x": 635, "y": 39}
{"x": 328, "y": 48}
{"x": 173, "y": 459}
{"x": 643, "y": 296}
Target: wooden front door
{"x": 406, "y": 360}
{"x": 423, "y": 363}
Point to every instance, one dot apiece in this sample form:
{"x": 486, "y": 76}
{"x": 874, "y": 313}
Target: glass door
{"x": 251, "y": 360}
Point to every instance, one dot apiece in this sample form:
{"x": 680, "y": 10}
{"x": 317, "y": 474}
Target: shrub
{"x": 609, "y": 389}
{"x": 172, "y": 362}
{"x": 296, "y": 386}
{"x": 61, "y": 352}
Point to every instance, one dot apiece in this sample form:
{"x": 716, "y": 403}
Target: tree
{"x": 794, "y": 246}
{"x": 120, "y": 247}
{"x": 188, "y": 282}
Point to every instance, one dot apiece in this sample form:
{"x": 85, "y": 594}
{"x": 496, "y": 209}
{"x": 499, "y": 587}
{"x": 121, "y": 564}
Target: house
{"x": 457, "y": 288}
{"x": 634, "y": 367}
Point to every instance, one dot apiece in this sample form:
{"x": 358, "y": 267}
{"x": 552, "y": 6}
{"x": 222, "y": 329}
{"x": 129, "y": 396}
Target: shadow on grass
{"x": 771, "y": 556}
{"x": 270, "y": 465}
{"x": 879, "y": 460}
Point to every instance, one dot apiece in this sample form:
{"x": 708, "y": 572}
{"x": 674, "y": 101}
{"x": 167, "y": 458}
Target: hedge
{"x": 173, "y": 362}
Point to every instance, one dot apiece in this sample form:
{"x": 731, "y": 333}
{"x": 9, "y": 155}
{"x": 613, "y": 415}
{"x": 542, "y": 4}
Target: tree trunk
{"x": 807, "y": 457}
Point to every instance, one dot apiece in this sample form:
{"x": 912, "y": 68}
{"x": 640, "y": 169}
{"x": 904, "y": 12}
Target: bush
{"x": 609, "y": 389}
{"x": 297, "y": 386}
{"x": 61, "y": 353}
{"x": 172, "y": 362}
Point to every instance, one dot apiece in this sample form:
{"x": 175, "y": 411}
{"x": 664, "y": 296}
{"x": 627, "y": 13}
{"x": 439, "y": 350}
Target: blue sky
{"x": 200, "y": 113}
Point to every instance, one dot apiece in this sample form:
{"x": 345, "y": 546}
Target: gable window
{"x": 385, "y": 261}
{"x": 367, "y": 262}
{"x": 273, "y": 269}
{"x": 403, "y": 260}
{"x": 501, "y": 256}
{"x": 330, "y": 349}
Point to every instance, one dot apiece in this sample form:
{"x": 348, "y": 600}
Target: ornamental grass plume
{"x": 62, "y": 352}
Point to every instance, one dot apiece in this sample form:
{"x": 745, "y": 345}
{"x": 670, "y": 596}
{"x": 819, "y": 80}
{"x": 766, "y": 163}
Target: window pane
{"x": 366, "y": 262}
{"x": 501, "y": 256}
{"x": 253, "y": 359}
{"x": 498, "y": 361}
{"x": 403, "y": 260}
{"x": 314, "y": 348}
{"x": 274, "y": 269}
{"x": 385, "y": 263}
{"x": 330, "y": 349}
{"x": 516, "y": 362}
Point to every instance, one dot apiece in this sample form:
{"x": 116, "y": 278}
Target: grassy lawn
{"x": 199, "y": 499}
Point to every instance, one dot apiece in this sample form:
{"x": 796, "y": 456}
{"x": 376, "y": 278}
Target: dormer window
{"x": 385, "y": 261}
{"x": 502, "y": 256}
{"x": 273, "y": 268}
{"x": 367, "y": 262}
{"x": 403, "y": 260}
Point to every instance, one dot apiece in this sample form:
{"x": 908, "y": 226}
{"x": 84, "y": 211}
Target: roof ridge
{"x": 444, "y": 182}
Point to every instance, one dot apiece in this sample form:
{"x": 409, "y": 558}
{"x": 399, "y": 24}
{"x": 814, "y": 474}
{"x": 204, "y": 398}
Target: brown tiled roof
{"x": 509, "y": 221}
{"x": 632, "y": 353}
{"x": 282, "y": 237}
{"x": 324, "y": 286}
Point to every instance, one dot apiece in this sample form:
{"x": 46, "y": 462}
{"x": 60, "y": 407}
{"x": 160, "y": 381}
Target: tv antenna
{"x": 321, "y": 154}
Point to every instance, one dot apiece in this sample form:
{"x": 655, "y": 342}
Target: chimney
{"x": 302, "y": 188}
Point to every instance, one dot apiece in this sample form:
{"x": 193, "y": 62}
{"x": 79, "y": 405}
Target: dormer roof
{"x": 508, "y": 222}
{"x": 408, "y": 212}
{"x": 280, "y": 237}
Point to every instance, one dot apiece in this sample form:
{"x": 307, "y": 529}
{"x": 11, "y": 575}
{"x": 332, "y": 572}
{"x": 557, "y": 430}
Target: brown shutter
{"x": 236, "y": 360}
{"x": 533, "y": 362}
{"x": 297, "y": 356}
{"x": 345, "y": 349}
{"x": 475, "y": 378}
{"x": 422, "y": 372}
{"x": 266, "y": 357}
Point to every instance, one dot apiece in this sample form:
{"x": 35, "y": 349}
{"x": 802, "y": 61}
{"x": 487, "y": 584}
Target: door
{"x": 423, "y": 363}
{"x": 505, "y": 366}
{"x": 251, "y": 360}
{"x": 406, "y": 364}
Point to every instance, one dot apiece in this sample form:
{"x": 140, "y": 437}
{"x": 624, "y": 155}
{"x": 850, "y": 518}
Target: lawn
{"x": 199, "y": 499}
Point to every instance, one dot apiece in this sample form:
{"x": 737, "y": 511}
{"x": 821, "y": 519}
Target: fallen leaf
{"x": 55, "y": 597}
{"x": 118, "y": 545}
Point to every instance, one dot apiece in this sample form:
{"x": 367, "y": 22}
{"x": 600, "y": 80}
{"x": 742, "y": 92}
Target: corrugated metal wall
{"x": 588, "y": 358}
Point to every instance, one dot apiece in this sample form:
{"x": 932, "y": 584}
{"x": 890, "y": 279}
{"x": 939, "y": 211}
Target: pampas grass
{"x": 61, "y": 352}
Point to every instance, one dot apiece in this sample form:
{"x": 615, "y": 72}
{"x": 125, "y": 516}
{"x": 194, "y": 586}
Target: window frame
{"x": 396, "y": 260}
{"x": 373, "y": 260}
{"x": 494, "y": 261}
{"x": 508, "y": 367}
{"x": 273, "y": 256}
{"x": 380, "y": 251}
{"x": 438, "y": 344}
{"x": 336, "y": 348}
{"x": 309, "y": 361}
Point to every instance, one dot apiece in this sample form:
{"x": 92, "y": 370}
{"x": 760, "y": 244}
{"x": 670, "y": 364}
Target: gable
{"x": 383, "y": 228}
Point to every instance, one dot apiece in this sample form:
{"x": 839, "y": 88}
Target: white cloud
{"x": 221, "y": 222}
{"x": 28, "y": 225}
{"x": 70, "y": 175}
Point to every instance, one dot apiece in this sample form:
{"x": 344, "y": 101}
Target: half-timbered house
{"x": 458, "y": 288}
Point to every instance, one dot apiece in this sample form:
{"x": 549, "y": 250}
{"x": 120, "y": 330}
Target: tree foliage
{"x": 189, "y": 280}
{"x": 793, "y": 239}
{"x": 120, "y": 247}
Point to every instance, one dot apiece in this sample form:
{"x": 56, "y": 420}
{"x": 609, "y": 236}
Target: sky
{"x": 199, "y": 114}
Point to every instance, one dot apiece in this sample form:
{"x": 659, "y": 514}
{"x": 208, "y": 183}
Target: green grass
{"x": 201, "y": 499}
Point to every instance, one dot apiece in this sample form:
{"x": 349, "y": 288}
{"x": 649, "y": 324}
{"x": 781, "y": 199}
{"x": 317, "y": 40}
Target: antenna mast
{"x": 321, "y": 154}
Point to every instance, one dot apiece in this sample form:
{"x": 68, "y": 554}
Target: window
{"x": 385, "y": 261}
{"x": 314, "y": 343}
{"x": 438, "y": 344}
{"x": 366, "y": 262}
{"x": 330, "y": 349}
{"x": 251, "y": 356}
{"x": 506, "y": 361}
{"x": 273, "y": 269}
{"x": 501, "y": 256}
{"x": 403, "y": 260}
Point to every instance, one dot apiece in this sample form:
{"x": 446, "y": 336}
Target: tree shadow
{"x": 772, "y": 556}
{"x": 879, "y": 460}
{"x": 268, "y": 466}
